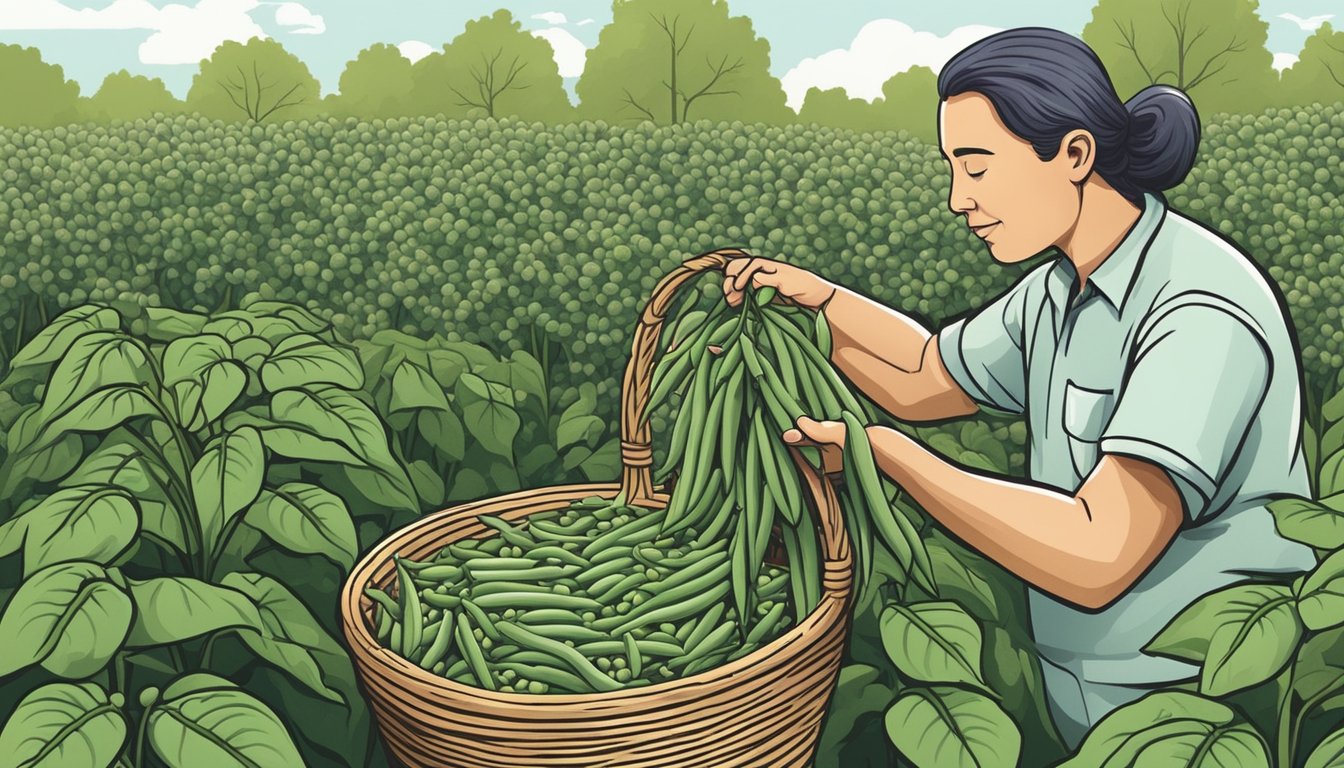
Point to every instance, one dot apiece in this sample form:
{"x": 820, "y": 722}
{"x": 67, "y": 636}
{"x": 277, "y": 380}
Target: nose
{"x": 958, "y": 201}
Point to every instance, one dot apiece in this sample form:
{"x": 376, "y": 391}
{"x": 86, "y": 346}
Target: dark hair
{"x": 1045, "y": 83}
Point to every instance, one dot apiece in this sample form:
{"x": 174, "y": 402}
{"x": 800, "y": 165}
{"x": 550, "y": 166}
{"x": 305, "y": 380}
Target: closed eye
{"x": 977, "y": 174}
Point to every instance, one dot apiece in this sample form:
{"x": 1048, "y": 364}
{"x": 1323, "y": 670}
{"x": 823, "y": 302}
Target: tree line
{"x": 668, "y": 62}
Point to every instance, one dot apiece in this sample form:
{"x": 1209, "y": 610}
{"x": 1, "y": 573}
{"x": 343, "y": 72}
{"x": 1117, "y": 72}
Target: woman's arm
{"x": 1088, "y": 548}
{"x": 893, "y": 359}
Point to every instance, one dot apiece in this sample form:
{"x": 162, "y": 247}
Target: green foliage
{"x": 375, "y": 85}
{"x": 254, "y": 82}
{"x": 124, "y": 96}
{"x": 909, "y": 102}
{"x": 1318, "y": 73}
{"x": 1215, "y": 50}
{"x": 147, "y": 544}
{"x": 33, "y": 93}
{"x": 680, "y": 61}
{"x": 494, "y": 68}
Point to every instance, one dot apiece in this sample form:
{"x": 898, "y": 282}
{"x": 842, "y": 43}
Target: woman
{"x": 1153, "y": 362}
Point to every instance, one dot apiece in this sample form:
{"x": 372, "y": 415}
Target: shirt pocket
{"x": 1086, "y": 412}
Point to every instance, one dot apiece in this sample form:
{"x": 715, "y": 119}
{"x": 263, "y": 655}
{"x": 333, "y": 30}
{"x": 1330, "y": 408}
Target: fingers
{"x": 748, "y": 273}
{"x": 742, "y": 272}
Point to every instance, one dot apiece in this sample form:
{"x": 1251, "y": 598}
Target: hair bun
{"x": 1163, "y": 137}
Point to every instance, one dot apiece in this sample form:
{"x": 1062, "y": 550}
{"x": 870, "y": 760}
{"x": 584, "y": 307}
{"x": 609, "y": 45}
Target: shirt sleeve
{"x": 984, "y": 352}
{"x": 1198, "y": 377}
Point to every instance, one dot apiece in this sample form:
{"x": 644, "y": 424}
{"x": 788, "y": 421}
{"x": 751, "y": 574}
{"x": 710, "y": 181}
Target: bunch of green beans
{"x": 747, "y": 377}
{"x": 584, "y": 599}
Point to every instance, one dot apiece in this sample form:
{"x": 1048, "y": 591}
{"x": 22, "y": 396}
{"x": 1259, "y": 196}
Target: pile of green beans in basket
{"x": 603, "y": 595}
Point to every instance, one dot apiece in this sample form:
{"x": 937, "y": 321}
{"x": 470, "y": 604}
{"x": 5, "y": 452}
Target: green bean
{"x": 457, "y": 667}
{"x": 385, "y": 622}
{"x": 549, "y": 616}
{"x": 694, "y": 603}
{"x": 562, "y": 632}
{"x": 498, "y": 564}
{"x": 412, "y": 623}
{"x": 553, "y": 533}
{"x": 439, "y": 573}
{"x": 483, "y": 622}
{"x": 385, "y": 600}
{"x": 702, "y": 664}
{"x": 766, "y": 624}
{"x": 535, "y": 573}
{"x": 617, "y": 565}
{"x": 685, "y": 581}
{"x": 483, "y": 588}
{"x": 527, "y": 600}
{"x": 632, "y": 655}
{"x": 712, "y": 642}
{"x": 604, "y": 584}
{"x": 459, "y": 550}
{"x": 704, "y": 625}
{"x": 577, "y": 661}
{"x": 471, "y": 651}
{"x": 507, "y": 531}
{"x": 437, "y": 600}
{"x": 551, "y": 551}
{"x": 626, "y": 584}
{"x": 442, "y": 637}
{"x": 551, "y": 676}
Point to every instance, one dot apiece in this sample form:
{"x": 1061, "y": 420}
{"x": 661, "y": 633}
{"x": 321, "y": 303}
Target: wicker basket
{"x": 764, "y": 709}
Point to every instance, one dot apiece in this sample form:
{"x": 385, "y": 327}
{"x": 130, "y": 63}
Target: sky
{"x": 854, "y": 44}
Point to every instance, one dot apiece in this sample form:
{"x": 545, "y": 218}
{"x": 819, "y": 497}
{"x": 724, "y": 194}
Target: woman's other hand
{"x": 798, "y": 285}
{"x": 828, "y": 436}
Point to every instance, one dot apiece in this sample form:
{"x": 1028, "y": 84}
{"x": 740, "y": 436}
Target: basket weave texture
{"x": 764, "y": 709}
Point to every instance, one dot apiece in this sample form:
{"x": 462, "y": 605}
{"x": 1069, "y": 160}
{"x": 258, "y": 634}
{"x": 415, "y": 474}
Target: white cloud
{"x": 554, "y": 18}
{"x": 570, "y": 54}
{"x": 180, "y": 34}
{"x": 301, "y": 20}
{"x": 882, "y": 48}
{"x": 584, "y": 23}
{"x": 415, "y": 50}
{"x": 1283, "y": 61}
{"x": 1310, "y": 23}
{"x": 185, "y": 35}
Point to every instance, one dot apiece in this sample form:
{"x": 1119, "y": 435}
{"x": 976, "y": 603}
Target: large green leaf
{"x": 1319, "y": 524}
{"x": 102, "y": 410}
{"x": 1187, "y": 636}
{"x": 1332, "y": 475}
{"x": 306, "y": 519}
{"x": 444, "y": 433}
{"x": 604, "y": 464}
{"x": 427, "y": 481}
{"x": 163, "y": 324}
{"x": 946, "y": 727}
{"x": 170, "y": 609}
{"x": 935, "y": 642}
{"x": 41, "y": 465}
{"x": 293, "y": 641}
{"x": 226, "y": 480}
{"x": 1329, "y": 753}
{"x": 488, "y": 412}
{"x": 95, "y": 361}
{"x": 59, "y": 335}
{"x": 1321, "y": 598}
{"x": 232, "y": 325}
{"x": 204, "y": 378}
{"x": 337, "y": 415}
{"x": 207, "y": 720}
{"x": 81, "y": 522}
{"x": 119, "y": 461}
{"x": 413, "y": 388}
{"x": 859, "y": 695}
{"x": 578, "y": 429}
{"x": 1170, "y": 728}
{"x": 67, "y": 617}
{"x": 1247, "y": 651}
{"x": 303, "y": 360}
{"x": 298, "y": 316}
{"x": 64, "y": 725}
{"x": 957, "y": 580}
{"x": 1318, "y": 671}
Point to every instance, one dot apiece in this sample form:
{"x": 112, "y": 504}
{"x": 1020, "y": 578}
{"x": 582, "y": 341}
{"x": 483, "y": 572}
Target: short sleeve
{"x": 984, "y": 352}
{"x": 1190, "y": 394}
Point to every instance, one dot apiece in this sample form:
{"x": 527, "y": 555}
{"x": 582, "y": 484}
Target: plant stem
{"x": 1286, "y": 725}
{"x": 140, "y": 738}
{"x": 178, "y": 662}
{"x": 205, "y": 653}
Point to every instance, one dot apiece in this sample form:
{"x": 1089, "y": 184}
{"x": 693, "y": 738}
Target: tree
{"x": 34, "y": 93}
{"x": 1212, "y": 49}
{"x": 1318, "y": 74}
{"x": 671, "y": 61}
{"x": 493, "y": 69}
{"x": 254, "y": 82}
{"x": 376, "y": 84}
{"x": 909, "y": 101}
{"x": 124, "y": 96}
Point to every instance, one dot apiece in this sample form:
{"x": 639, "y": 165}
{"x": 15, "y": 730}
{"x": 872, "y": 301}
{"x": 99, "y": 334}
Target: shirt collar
{"x": 1115, "y": 276}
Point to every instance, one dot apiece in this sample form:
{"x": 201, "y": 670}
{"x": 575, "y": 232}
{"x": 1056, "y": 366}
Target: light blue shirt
{"x": 1178, "y": 352}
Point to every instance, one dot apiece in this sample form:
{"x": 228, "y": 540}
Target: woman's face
{"x": 1017, "y": 203}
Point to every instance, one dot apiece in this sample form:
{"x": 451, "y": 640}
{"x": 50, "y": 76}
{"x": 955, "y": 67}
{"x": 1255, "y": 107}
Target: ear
{"x": 1078, "y": 151}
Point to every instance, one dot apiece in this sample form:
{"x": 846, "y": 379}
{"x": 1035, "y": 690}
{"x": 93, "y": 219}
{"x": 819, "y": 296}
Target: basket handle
{"x": 636, "y": 446}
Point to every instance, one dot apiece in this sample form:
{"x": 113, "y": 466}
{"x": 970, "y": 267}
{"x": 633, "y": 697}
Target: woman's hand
{"x": 829, "y": 436}
{"x": 794, "y": 283}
